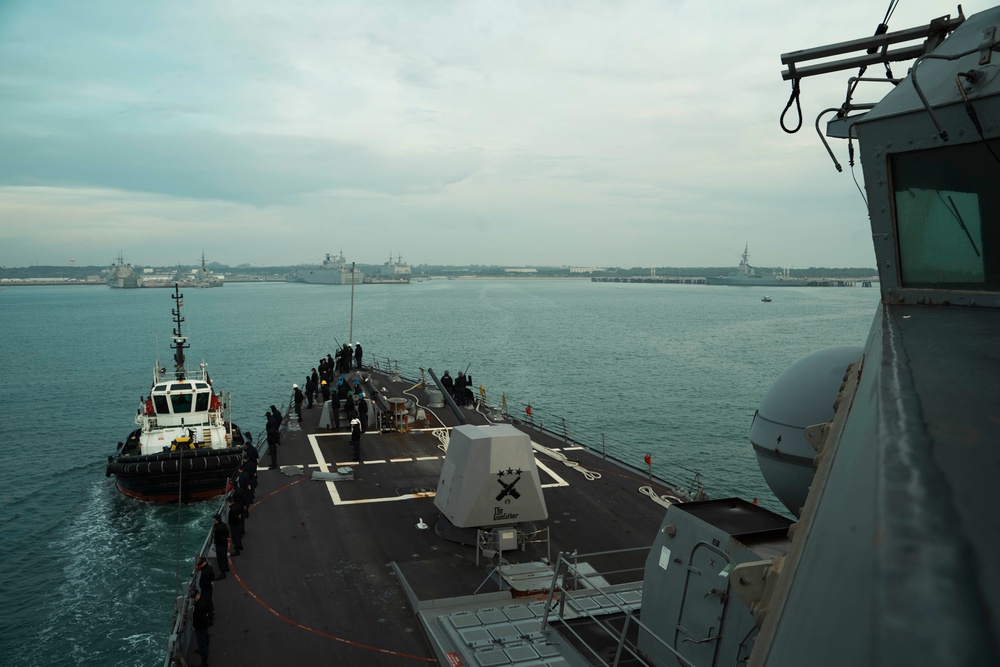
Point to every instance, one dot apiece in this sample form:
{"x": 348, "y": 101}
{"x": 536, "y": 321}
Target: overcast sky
{"x": 607, "y": 133}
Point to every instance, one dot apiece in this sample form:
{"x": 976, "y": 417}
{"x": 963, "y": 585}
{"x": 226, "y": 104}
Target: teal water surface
{"x": 89, "y": 576}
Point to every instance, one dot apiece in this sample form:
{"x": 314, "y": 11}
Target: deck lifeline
{"x": 332, "y": 570}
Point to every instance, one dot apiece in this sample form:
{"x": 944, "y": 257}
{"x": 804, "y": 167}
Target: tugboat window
{"x": 202, "y": 404}
{"x": 160, "y": 403}
{"x": 946, "y": 208}
{"x": 181, "y": 402}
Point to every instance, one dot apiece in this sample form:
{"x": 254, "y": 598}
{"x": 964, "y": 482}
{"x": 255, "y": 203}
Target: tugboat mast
{"x": 180, "y": 342}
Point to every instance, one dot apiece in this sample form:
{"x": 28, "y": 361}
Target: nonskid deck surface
{"x": 320, "y": 574}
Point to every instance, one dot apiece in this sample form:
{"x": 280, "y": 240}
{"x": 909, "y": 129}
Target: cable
{"x": 798, "y": 108}
{"x": 666, "y": 500}
{"x": 559, "y": 456}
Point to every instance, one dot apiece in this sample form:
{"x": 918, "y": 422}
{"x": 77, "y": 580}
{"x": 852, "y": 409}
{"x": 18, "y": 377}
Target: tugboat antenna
{"x": 180, "y": 342}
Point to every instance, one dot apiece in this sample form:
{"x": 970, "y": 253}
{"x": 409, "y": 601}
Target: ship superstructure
{"x": 750, "y": 276}
{"x": 334, "y": 271}
{"x": 122, "y": 275}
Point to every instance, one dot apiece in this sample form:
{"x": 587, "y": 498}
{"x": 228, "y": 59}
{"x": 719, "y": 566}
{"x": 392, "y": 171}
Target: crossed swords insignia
{"x": 508, "y": 489}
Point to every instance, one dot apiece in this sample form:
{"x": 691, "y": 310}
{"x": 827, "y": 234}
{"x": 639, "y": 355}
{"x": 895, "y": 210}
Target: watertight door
{"x": 704, "y": 605}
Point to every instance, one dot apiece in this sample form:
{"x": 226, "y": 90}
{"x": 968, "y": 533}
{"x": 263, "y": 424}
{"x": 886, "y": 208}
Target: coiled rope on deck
{"x": 566, "y": 461}
{"x": 666, "y": 500}
{"x": 442, "y": 434}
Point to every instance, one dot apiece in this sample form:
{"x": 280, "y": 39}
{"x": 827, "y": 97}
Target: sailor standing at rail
{"x": 273, "y": 437}
{"x": 297, "y": 398}
{"x": 206, "y": 585}
{"x": 200, "y": 621}
{"x": 246, "y": 481}
{"x": 356, "y": 432}
{"x": 310, "y": 391}
{"x": 349, "y": 410}
{"x": 221, "y": 539}
{"x": 236, "y": 524}
{"x": 357, "y": 355}
{"x": 363, "y": 412}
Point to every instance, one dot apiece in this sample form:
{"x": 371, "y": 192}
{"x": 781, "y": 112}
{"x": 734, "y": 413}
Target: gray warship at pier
{"x": 467, "y": 535}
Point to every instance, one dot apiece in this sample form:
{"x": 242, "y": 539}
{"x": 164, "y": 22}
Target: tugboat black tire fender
{"x": 155, "y": 464}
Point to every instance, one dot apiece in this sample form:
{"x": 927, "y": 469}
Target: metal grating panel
{"x": 491, "y": 658}
{"x": 586, "y": 604}
{"x": 631, "y": 597}
{"x": 477, "y": 637}
{"x": 503, "y": 631}
{"x": 517, "y": 612}
{"x": 520, "y": 653}
{"x": 490, "y": 615}
{"x": 463, "y": 619}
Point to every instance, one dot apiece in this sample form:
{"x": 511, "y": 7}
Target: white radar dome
{"x": 802, "y": 396}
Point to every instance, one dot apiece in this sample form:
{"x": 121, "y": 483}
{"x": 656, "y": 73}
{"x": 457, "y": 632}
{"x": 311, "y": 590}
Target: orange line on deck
{"x": 306, "y": 627}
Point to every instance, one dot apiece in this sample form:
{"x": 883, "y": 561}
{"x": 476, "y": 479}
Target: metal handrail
{"x": 565, "y": 570}
{"x": 569, "y": 430}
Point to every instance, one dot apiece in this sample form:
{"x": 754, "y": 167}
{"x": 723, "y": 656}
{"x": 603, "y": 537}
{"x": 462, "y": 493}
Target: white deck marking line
{"x": 408, "y": 496}
{"x": 373, "y": 461}
{"x": 559, "y": 480}
{"x": 324, "y": 467}
{"x": 337, "y": 500}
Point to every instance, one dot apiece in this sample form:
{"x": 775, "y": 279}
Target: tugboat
{"x": 185, "y": 448}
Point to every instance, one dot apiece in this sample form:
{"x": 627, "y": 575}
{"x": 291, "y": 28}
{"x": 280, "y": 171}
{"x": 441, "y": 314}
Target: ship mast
{"x": 351, "y": 333}
{"x": 180, "y": 342}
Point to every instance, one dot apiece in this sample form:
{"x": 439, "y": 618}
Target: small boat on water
{"x": 185, "y": 448}
{"x": 766, "y": 299}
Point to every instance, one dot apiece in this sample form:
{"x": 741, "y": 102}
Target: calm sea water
{"x": 89, "y": 576}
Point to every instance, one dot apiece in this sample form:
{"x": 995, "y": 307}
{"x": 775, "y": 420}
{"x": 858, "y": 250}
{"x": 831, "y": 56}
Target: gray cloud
{"x": 626, "y": 133}
{"x": 258, "y": 170}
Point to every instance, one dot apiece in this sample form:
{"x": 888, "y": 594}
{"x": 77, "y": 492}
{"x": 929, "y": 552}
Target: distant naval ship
{"x": 334, "y": 271}
{"x": 121, "y": 275}
{"x": 395, "y": 273}
{"x": 749, "y": 276}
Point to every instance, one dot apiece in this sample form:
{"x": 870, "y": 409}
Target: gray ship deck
{"x": 334, "y": 572}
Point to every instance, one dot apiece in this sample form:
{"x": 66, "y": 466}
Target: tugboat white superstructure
{"x": 185, "y": 448}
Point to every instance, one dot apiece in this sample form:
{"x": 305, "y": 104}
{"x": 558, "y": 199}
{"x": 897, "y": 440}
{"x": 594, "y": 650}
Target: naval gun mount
{"x": 489, "y": 491}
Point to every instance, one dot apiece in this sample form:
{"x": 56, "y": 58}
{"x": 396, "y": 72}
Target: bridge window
{"x": 181, "y": 402}
{"x": 160, "y": 403}
{"x": 202, "y": 404}
{"x": 946, "y": 214}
